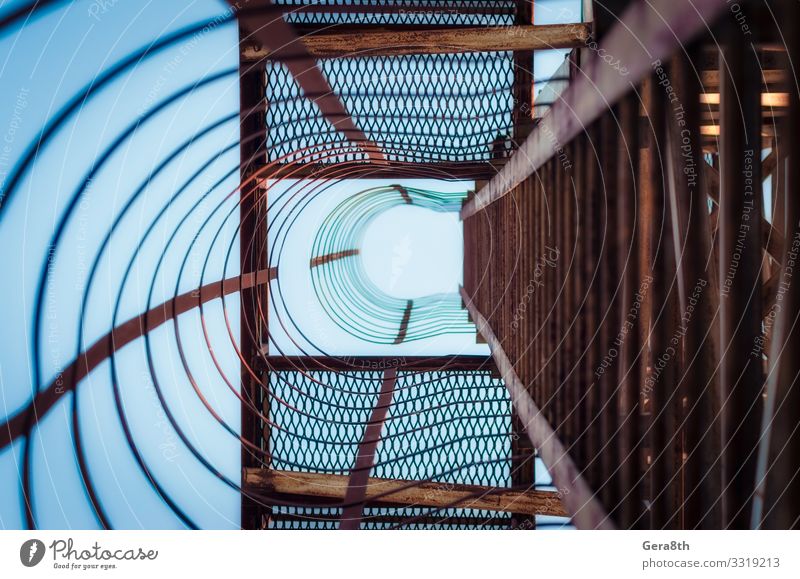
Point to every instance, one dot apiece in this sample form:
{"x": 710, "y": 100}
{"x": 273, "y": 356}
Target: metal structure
{"x": 633, "y": 221}
{"x": 619, "y": 261}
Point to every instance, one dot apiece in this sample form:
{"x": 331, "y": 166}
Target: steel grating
{"x": 417, "y": 108}
{"x": 402, "y": 12}
{"x": 446, "y": 426}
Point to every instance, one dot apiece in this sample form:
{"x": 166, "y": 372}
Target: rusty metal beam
{"x": 406, "y": 492}
{"x": 777, "y": 501}
{"x": 403, "y": 331}
{"x": 629, "y": 366}
{"x": 740, "y": 251}
{"x": 660, "y": 386}
{"x": 119, "y": 337}
{"x": 698, "y": 301}
{"x": 356, "y": 491}
{"x": 637, "y": 40}
{"x": 369, "y": 42}
{"x": 329, "y": 257}
{"x": 365, "y": 363}
{"x": 523, "y": 455}
{"x": 464, "y": 170}
{"x": 579, "y": 501}
{"x": 252, "y": 208}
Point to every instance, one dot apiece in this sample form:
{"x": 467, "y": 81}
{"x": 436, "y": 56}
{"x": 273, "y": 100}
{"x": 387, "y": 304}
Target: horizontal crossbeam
{"x": 371, "y": 42}
{"x": 406, "y": 492}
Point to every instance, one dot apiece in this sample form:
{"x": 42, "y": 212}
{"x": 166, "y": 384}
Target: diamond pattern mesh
{"x": 419, "y": 12}
{"x": 450, "y": 427}
{"x": 418, "y": 108}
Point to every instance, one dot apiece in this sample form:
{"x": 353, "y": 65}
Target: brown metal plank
{"x": 608, "y": 315}
{"x": 628, "y": 366}
{"x": 698, "y": 302}
{"x": 367, "y": 451}
{"x": 578, "y": 499}
{"x": 777, "y": 502}
{"x": 740, "y": 243}
{"x": 335, "y": 256}
{"x": 406, "y": 492}
{"x": 660, "y": 384}
{"x": 120, "y": 336}
{"x": 465, "y": 170}
{"x": 369, "y": 42}
{"x": 403, "y": 331}
{"x": 252, "y": 113}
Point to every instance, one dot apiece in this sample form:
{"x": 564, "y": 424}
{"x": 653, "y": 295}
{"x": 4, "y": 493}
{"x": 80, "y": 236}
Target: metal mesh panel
{"x": 443, "y": 421}
{"x": 450, "y": 427}
{"x": 410, "y": 518}
{"x": 321, "y": 418}
{"x": 412, "y": 12}
{"x": 418, "y": 108}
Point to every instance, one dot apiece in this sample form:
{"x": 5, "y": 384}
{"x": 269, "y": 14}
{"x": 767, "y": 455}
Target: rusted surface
{"x": 122, "y": 335}
{"x": 579, "y": 500}
{"x": 406, "y": 492}
{"x": 369, "y": 42}
{"x": 327, "y": 258}
{"x": 252, "y": 207}
{"x": 401, "y": 334}
{"x": 357, "y": 485}
{"x": 740, "y": 259}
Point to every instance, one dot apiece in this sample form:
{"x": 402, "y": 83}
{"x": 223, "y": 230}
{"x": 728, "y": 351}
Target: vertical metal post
{"x": 628, "y": 366}
{"x": 698, "y": 298}
{"x": 740, "y": 266}
{"x": 609, "y": 301}
{"x": 778, "y": 499}
{"x": 660, "y": 384}
{"x": 252, "y": 258}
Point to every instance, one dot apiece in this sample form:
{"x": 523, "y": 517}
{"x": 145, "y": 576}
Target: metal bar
{"x": 697, "y": 296}
{"x": 740, "y": 250}
{"x": 591, "y": 239}
{"x": 523, "y": 453}
{"x": 466, "y": 170}
{"x": 120, "y": 336}
{"x": 365, "y": 363}
{"x": 329, "y": 257}
{"x": 638, "y": 40}
{"x": 609, "y": 306}
{"x": 401, "y": 333}
{"x": 406, "y": 492}
{"x": 252, "y": 152}
{"x": 578, "y": 499}
{"x": 371, "y": 43}
{"x": 356, "y": 492}
{"x": 777, "y": 503}
{"x": 583, "y": 261}
{"x": 660, "y": 386}
{"x": 629, "y": 363}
